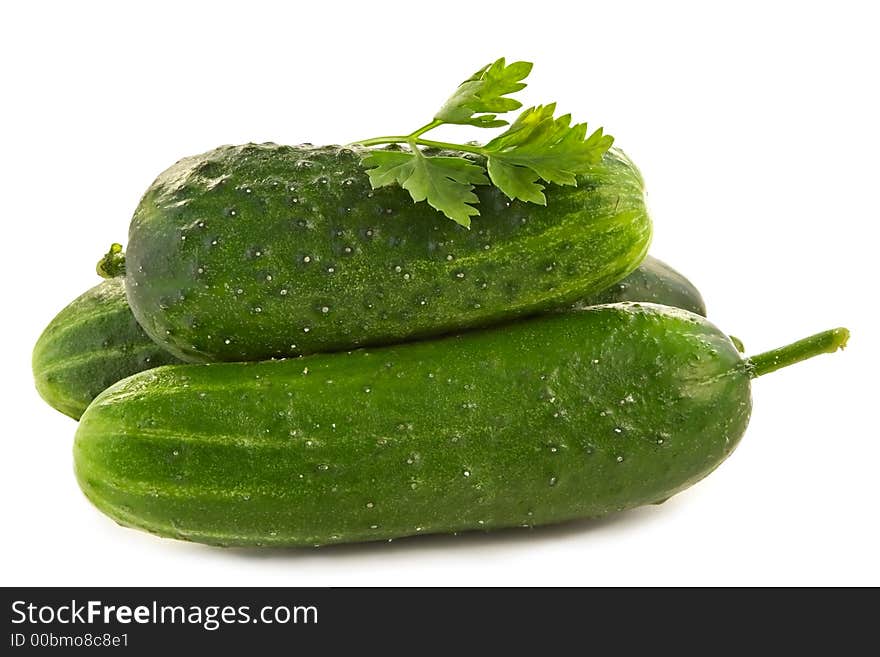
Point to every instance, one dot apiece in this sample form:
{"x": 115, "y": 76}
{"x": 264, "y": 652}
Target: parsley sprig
{"x": 537, "y": 148}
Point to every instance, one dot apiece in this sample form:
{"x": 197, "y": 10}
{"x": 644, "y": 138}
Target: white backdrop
{"x": 756, "y": 128}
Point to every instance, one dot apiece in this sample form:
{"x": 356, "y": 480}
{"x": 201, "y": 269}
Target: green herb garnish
{"x": 536, "y": 147}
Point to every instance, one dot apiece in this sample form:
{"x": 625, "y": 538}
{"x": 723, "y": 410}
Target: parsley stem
{"x": 400, "y": 139}
{"x": 429, "y": 126}
{"x": 406, "y": 139}
{"x": 467, "y": 148}
{"x": 415, "y": 138}
{"x": 375, "y": 141}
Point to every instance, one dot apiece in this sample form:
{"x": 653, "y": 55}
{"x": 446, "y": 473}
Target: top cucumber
{"x": 259, "y": 251}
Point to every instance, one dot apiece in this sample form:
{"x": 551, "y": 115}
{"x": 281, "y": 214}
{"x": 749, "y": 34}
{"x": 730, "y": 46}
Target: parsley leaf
{"x": 446, "y": 183}
{"x": 516, "y": 182}
{"x": 542, "y": 146}
{"x": 538, "y": 148}
{"x": 483, "y": 94}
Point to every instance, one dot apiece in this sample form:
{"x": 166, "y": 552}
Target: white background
{"x": 756, "y": 128}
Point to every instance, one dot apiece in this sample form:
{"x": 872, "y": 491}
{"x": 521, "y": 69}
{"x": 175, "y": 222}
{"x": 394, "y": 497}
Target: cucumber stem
{"x": 826, "y": 342}
{"x": 113, "y": 262}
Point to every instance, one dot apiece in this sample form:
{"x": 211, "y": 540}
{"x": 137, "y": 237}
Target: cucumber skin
{"x": 563, "y": 416}
{"x": 653, "y": 281}
{"x": 260, "y": 251}
{"x": 91, "y": 344}
{"x": 69, "y": 381}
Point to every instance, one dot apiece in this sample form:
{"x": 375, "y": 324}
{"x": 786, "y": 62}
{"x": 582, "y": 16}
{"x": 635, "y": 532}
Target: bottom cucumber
{"x": 563, "y": 416}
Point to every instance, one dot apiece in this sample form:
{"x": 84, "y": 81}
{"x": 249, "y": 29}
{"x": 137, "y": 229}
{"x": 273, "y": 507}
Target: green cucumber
{"x": 653, "y": 281}
{"x": 70, "y": 368}
{"x": 562, "y": 416}
{"x": 260, "y": 251}
{"x": 91, "y": 344}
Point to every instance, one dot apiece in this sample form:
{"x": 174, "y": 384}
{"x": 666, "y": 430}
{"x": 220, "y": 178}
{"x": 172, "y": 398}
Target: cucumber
{"x": 92, "y": 343}
{"x": 653, "y": 281}
{"x": 562, "y": 416}
{"x": 260, "y": 251}
{"x": 70, "y": 368}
